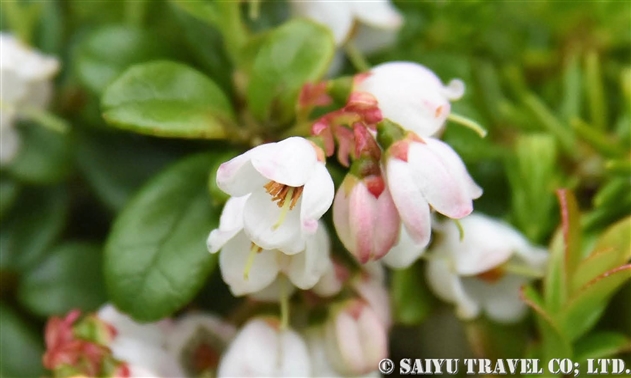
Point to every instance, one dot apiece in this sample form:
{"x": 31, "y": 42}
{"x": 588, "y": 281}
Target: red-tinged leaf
{"x": 612, "y": 249}
{"x": 565, "y": 253}
{"x": 587, "y": 305}
{"x": 570, "y": 224}
{"x": 554, "y": 343}
{"x": 600, "y": 261}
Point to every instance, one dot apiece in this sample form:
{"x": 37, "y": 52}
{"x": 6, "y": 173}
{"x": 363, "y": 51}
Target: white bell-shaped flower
{"x": 247, "y": 269}
{"x": 197, "y": 341}
{"x": 476, "y": 272}
{"x": 263, "y": 349}
{"x": 289, "y": 190}
{"x": 141, "y": 346}
{"x": 341, "y": 17}
{"x": 410, "y": 95}
{"x": 26, "y": 82}
{"x": 424, "y": 173}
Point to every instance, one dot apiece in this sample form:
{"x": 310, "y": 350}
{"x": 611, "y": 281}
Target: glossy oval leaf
{"x": 156, "y": 258}
{"x": 20, "y": 349}
{"x": 96, "y": 66}
{"x": 70, "y": 277}
{"x": 167, "y": 99}
{"x": 32, "y": 226}
{"x": 296, "y": 53}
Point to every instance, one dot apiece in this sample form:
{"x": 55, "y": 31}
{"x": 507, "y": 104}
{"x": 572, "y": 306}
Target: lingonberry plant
{"x": 306, "y": 188}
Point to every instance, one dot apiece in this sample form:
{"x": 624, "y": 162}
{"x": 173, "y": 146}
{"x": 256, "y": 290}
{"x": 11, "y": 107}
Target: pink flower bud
{"x": 365, "y": 217}
{"x": 356, "y": 339}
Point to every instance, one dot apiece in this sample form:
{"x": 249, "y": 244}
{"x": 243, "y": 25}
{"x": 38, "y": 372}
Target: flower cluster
{"x": 110, "y": 344}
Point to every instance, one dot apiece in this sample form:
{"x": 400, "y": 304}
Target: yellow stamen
{"x": 286, "y": 205}
{"x": 254, "y": 250}
{"x": 285, "y": 196}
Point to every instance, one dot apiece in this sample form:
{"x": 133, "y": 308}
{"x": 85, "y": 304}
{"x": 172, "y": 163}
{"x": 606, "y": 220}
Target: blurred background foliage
{"x": 551, "y": 81}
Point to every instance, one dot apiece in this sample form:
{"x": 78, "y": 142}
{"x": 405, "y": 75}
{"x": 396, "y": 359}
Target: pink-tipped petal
{"x": 238, "y": 177}
{"x": 412, "y": 206}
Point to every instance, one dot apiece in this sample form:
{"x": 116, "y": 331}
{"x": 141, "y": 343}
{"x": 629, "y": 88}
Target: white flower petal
{"x": 329, "y": 284}
{"x": 378, "y": 14}
{"x": 404, "y": 253}
{"x": 238, "y": 177}
{"x": 150, "y": 333}
{"x": 500, "y": 300}
{"x": 306, "y": 268}
{"x": 341, "y": 217}
{"x": 234, "y": 259}
{"x": 146, "y": 356}
{"x": 274, "y": 291}
{"x": 337, "y": 16}
{"x": 288, "y": 162}
{"x": 454, "y": 165}
{"x": 262, "y": 350}
{"x": 369, "y": 40}
{"x": 487, "y": 244}
{"x": 436, "y": 181}
{"x": 412, "y": 206}
{"x": 316, "y": 199}
{"x": 9, "y": 137}
{"x": 192, "y": 325}
{"x": 230, "y": 223}
{"x": 260, "y": 218}
{"x": 448, "y": 286}
{"x": 408, "y": 94}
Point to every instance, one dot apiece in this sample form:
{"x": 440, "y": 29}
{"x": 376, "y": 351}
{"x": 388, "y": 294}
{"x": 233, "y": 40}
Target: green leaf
{"x": 9, "y": 190}
{"x": 44, "y": 157}
{"x": 20, "y": 349}
{"x": 565, "y": 253}
{"x": 603, "y": 344}
{"x": 70, "y": 277}
{"x": 412, "y": 300}
{"x": 156, "y": 258}
{"x": 554, "y": 343}
{"x": 532, "y": 174}
{"x": 612, "y": 249}
{"x": 32, "y": 226}
{"x": 107, "y": 51}
{"x": 587, "y": 305}
{"x": 115, "y": 177}
{"x": 167, "y": 99}
{"x": 296, "y": 53}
